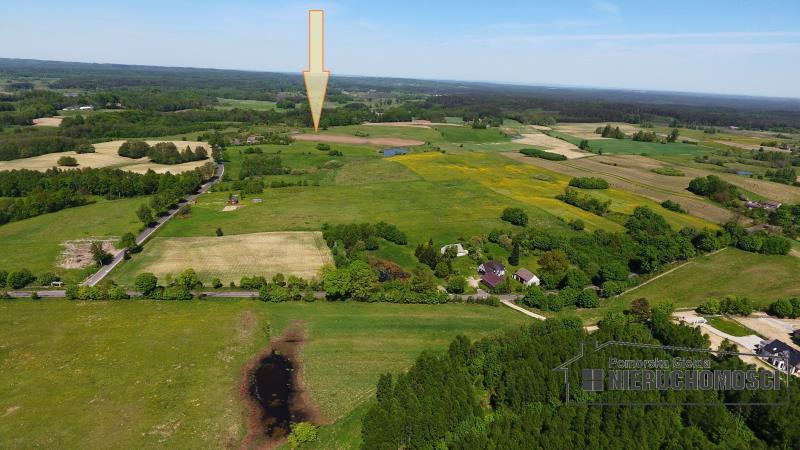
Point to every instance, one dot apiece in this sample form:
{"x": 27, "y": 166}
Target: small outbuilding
{"x": 526, "y": 277}
{"x": 460, "y": 250}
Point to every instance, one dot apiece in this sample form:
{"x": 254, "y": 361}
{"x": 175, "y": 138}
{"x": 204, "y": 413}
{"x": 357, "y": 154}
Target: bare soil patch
{"x": 275, "y": 393}
{"x": 339, "y": 139}
{"x": 552, "y": 144}
{"x": 77, "y": 254}
{"x": 752, "y": 146}
{"x": 48, "y": 121}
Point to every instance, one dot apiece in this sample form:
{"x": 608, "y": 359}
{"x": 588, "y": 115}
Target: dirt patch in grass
{"x": 77, "y": 254}
{"x": 275, "y": 393}
{"x": 339, "y": 139}
{"x": 48, "y": 121}
{"x": 551, "y": 144}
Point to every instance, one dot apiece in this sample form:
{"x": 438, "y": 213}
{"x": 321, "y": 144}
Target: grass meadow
{"x": 35, "y": 243}
{"x": 166, "y": 374}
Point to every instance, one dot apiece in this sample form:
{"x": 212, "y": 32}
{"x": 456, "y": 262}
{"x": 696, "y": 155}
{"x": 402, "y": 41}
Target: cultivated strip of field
{"x": 551, "y": 144}
{"x": 231, "y": 257}
{"x": 633, "y": 173}
{"x": 48, "y": 121}
{"x": 587, "y": 130}
{"x": 339, "y": 139}
{"x": 752, "y": 146}
{"x": 413, "y": 124}
{"x": 768, "y": 189}
{"x": 105, "y": 155}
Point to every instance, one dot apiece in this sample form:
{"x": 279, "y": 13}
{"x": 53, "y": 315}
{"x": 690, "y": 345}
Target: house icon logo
{"x": 612, "y": 374}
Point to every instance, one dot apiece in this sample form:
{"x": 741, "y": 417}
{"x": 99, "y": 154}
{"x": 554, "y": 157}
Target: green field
{"x": 166, "y": 374}
{"x": 729, "y": 326}
{"x": 230, "y": 103}
{"x": 35, "y": 243}
{"x": 629, "y": 147}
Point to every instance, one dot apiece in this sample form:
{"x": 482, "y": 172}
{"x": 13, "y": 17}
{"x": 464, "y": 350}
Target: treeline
{"x": 31, "y": 143}
{"x": 502, "y": 392}
{"x": 589, "y": 183}
{"x": 33, "y": 193}
{"x": 715, "y": 189}
{"x": 584, "y": 201}
{"x": 550, "y": 156}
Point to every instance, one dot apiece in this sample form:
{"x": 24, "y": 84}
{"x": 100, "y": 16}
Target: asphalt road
{"x": 147, "y": 232}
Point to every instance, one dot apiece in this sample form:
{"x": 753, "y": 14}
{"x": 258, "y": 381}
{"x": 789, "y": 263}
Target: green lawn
{"x": 729, "y": 326}
{"x": 629, "y": 147}
{"x": 761, "y": 278}
{"x": 166, "y": 374}
{"x": 35, "y": 243}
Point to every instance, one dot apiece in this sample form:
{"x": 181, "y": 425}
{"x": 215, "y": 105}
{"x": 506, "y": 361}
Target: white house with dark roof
{"x": 777, "y": 353}
{"x": 492, "y": 267}
{"x": 526, "y": 277}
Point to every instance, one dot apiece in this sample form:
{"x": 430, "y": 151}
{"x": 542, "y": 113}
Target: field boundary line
{"x": 665, "y": 273}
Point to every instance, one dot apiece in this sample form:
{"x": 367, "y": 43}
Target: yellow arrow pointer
{"x": 316, "y": 77}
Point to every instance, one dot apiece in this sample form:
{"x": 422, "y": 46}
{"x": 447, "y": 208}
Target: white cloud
{"x": 605, "y": 6}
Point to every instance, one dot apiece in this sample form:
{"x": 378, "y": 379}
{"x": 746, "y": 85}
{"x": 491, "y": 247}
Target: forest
{"x": 502, "y": 392}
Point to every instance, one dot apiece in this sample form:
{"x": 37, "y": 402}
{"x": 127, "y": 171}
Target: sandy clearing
{"x": 771, "y": 327}
{"x": 48, "y": 121}
{"x": 105, "y": 155}
{"x": 77, "y": 254}
{"x": 552, "y": 144}
{"x": 232, "y": 256}
{"x": 340, "y": 139}
{"x": 633, "y": 174}
{"x": 586, "y": 130}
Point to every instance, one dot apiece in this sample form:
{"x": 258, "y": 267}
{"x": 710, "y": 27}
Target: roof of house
{"x": 776, "y": 346}
{"x": 525, "y": 274}
{"x": 491, "y": 279}
{"x": 493, "y": 266}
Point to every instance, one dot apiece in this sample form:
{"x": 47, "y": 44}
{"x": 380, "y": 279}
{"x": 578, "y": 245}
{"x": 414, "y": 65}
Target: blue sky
{"x": 730, "y": 46}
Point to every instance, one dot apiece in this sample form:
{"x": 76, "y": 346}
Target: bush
{"x": 589, "y": 183}
{"x": 588, "y": 299}
{"x": 457, "y": 284}
{"x": 118, "y": 293}
{"x": 3, "y": 278}
{"x": 612, "y": 288}
{"x": 736, "y": 305}
{"x": 46, "y": 279}
{"x": 302, "y": 433}
{"x": 67, "y": 161}
{"x": 577, "y": 225}
{"x": 515, "y": 216}
{"x": 710, "y": 307}
{"x": 216, "y": 283}
{"x": 19, "y": 279}
{"x": 672, "y": 206}
{"x": 146, "y": 283}
{"x": 782, "y": 308}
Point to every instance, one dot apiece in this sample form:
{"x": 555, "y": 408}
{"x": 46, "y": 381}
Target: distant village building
{"x": 526, "y": 277}
{"x": 393, "y": 151}
{"x": 460, "y": 250}
{"x": 252, "y": 139}
{"x": 777, "y": 353}
{"x": 492, "y": 267}
{"x": 772, "y": 205}
{"x": 236, "y": 141}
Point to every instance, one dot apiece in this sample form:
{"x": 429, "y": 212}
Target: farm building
{"x": 777, "y": 353}
{"x": 460, "y": 250}
{"x": 493, "y": 267}
{"x": 526, "y": 277}
{"x": 492, "y": 280}
{"x": 393, "y": 151}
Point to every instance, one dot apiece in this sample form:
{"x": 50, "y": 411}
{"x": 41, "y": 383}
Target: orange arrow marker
{"x": 316, "y": 77}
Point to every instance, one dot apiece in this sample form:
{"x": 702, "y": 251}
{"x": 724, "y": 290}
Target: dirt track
{"x": 339, "y": 139}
